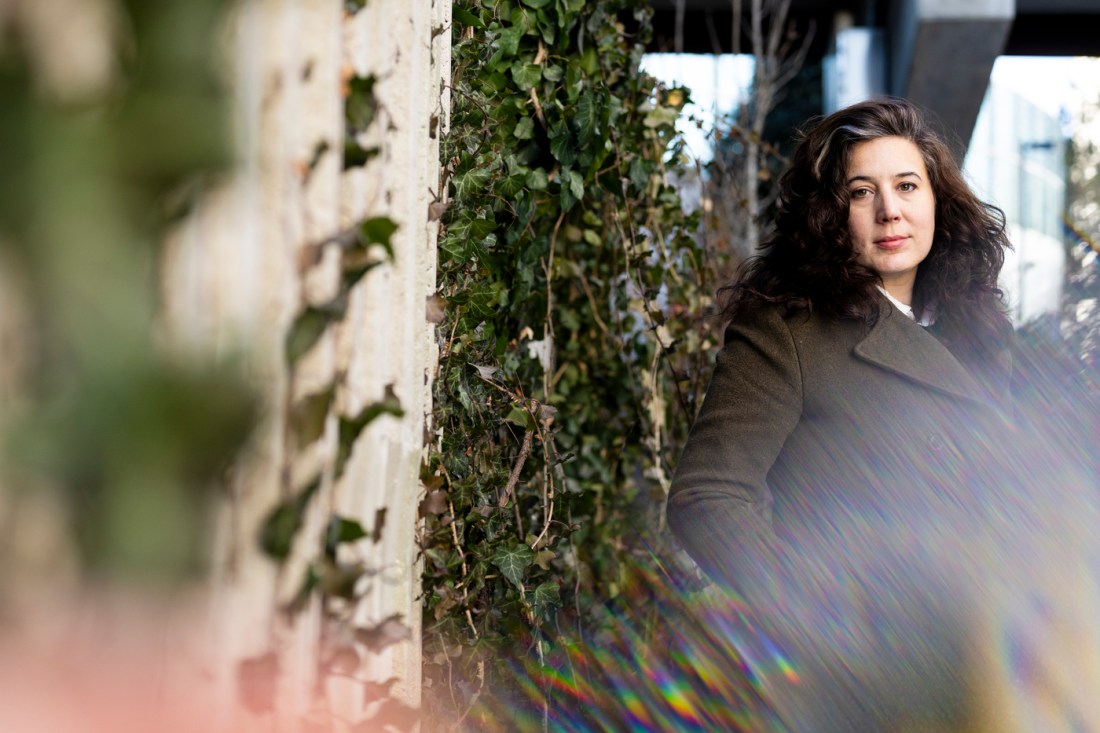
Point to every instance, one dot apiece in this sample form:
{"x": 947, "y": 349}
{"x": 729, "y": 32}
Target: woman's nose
{"x": 888, "y": 209}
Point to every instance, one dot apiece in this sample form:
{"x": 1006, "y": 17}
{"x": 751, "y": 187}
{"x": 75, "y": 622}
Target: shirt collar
{"x": 926, "y": 318}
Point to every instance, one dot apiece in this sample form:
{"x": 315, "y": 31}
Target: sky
{"x": 1051, "y": 82}
{"x": 717, "y": 83}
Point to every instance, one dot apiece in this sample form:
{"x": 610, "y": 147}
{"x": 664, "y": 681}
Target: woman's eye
{"x": 907, "y": 186}
{"x": 859, "y": 193}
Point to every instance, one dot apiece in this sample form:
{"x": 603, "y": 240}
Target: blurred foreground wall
{"x": 263, "y": 249}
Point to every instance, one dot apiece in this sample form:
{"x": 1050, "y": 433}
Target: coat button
{"x": 936, "y": 442}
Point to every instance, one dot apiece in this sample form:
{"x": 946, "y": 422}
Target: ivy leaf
{"x": 575, "y": 183}
{"x": 537, "y": 180}
{"x": 661, "y": 117}
{"x": 435, "y": 503}
{"x": 355, "y": 268}
{"x": 339, "y": 579}
{"x": 350, "y": 428}
{"x": 511, "y": 185}
{"x": 481, "y": 228}
{"x": 561, "y": 145}
{"x": 536, "y": 3}
{"x": 341, "y": 530}
{"x": 525, "y": 129}
{"x": 497, "y": 81}
{"x": 513, "y": 561}
{"x": 518, "y": 416}
{"x": 548, "y": 31}
{"x": 586, "y": 118}
{"x": 304, "y": 333}
{"x": 355, "y": 155}
{"x": 546, "y": 597}
{"x": 358, "y": 260}
{"x": 543, "y": 558}
{"x": 389, "y": 631}
{"x": 572, "y": 189}
{"x": 574, "y": 80}
{"x": 522, "y": 18}
{"x": 307, "y": 417}
{"x": 283, "y": 522}
{"x": 462, "y": 16}
{"x": 590, "y": 62}
{"x": 472, "y": 182}
{"x": 526, "y": 75}
{"x": 361, "y": 104}
{"x": 508, "y": 42}
{"x": 378, "y": 230}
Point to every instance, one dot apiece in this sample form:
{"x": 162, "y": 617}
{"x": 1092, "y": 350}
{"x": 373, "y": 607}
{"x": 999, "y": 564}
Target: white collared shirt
{"x": 926, "y": 318}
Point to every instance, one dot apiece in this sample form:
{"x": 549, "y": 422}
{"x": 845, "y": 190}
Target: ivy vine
{"x": 575, "y": 293}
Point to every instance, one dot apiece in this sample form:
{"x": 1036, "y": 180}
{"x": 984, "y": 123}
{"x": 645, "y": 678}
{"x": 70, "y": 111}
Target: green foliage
{"x": 360, "y": 107}
{"x": 574, "y": 296}
{"x": 131, "y": 440}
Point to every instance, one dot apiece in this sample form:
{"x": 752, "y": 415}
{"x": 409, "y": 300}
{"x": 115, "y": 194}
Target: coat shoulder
{"x": 809, "y": 331}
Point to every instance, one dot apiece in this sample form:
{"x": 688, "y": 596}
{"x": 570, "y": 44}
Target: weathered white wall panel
{"x": 405, "y": 49}
{"x": 234, "y": 278}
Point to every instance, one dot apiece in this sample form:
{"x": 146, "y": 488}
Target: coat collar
{"x": 900, "y": 345}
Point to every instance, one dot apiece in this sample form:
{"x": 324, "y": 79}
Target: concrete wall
{"x": 240, "y": 269}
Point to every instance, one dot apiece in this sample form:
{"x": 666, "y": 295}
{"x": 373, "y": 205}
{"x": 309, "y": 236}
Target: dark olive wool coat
{"x": 831, "y": 472}
{"x": 808, "y": 422}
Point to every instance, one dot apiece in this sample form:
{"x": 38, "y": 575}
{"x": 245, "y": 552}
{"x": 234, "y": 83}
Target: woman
{"x": 856, "y": 423}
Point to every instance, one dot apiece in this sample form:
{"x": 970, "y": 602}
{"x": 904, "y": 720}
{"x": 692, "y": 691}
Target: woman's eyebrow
{"x": 869, "y": 179}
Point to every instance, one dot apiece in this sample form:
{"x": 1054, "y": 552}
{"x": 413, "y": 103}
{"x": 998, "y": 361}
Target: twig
{"x": 548, "y": 324}
{"x": 465, "y": 569}
{"x": 450, "y": 340}
{"x": 547, "y": 488}
{"x": 592, "y": 302}
{"x": 513, "y": 479}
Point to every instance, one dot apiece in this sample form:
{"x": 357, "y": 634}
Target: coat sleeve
{"x": 719, "y": 507}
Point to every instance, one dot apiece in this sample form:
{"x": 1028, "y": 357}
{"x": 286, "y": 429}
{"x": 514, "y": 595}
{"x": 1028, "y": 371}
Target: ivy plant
{"x": 574, "y": 291}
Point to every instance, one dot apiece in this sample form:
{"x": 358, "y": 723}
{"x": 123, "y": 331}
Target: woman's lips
{"x": 890, "y": 242}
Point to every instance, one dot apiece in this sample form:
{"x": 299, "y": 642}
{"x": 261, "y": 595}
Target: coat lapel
{"x": 900, "y": 345}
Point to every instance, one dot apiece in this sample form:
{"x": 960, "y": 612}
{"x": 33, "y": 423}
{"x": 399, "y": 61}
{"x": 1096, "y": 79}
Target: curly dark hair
{"x": 808, "y": 262}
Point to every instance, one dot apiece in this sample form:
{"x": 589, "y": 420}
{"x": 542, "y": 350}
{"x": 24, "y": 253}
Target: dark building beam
{"x": 941, "y": 54}
{"x": 1069, "y": 34}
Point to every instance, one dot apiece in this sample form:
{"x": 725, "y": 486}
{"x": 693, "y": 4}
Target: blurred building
{"x": 1017, "y": 161}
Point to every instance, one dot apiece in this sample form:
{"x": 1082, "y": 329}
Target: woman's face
{"x": 891, "y": 211}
